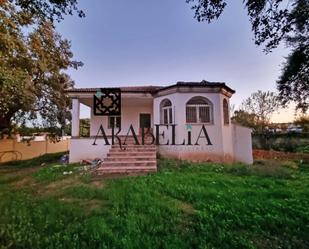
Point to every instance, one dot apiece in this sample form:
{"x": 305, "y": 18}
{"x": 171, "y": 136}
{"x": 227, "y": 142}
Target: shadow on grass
{"x": 45, "y": 159}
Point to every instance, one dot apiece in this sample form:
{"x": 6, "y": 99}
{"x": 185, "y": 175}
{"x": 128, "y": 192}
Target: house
{"x": 186, "y": 120}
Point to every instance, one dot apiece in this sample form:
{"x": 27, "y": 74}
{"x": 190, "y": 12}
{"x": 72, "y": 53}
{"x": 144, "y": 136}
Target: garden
{"x": 185, "y": 205}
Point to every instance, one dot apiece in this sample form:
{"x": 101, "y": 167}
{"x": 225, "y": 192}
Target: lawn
{"x": 184, "y": 205}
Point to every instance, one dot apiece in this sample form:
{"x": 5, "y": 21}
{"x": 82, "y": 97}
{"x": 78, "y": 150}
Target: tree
{"x": 303, "y": 122}
{"x": 274, "y": 21}
{"x": 47, "y": 10}
{"x": 84, "y": 127}
{"x": 246, "y": 119}
{"x": 261, "y": 105}
{"x": 32, "y": 78}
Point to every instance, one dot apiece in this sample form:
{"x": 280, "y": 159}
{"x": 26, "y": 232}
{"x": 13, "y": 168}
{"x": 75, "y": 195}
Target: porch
{"x": 136, "y": 110}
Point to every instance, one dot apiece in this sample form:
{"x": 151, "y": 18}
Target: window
{"x": 166, "y": 112}
{"x": 199, "y": 110}
{"x": 226, "y": 116}
{"x": 114, "y": 122}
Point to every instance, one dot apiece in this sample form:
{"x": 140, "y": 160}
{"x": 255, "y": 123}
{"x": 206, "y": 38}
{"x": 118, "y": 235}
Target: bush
{"x": 303, "y": 149}
{"x": 281, "y": 142}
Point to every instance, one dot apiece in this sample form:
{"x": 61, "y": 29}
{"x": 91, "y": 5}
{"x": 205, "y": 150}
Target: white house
{"x": 188, "y": 120}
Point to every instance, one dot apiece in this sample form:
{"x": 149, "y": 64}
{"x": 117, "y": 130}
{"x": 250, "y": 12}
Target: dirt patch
{"x": 91, "y": 205}
{"x": 55, "y": 188}
{"x": 186, "y": 207}
{"x": 98, "y": 183}
{"x": 69, "y": 181}
{"x": 23, "y": 177}
{"x": 87, "y": 205}
{"x": 25, "y": 181}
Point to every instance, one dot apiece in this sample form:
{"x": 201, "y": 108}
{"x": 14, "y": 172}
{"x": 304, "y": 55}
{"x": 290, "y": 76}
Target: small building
{"x": 186, "y": 120}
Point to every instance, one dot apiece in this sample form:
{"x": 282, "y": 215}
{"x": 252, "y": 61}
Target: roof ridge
{"x": 153, "y": 89}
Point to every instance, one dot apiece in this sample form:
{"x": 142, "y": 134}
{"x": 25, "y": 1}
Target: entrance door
{"x": 144, "y": 120}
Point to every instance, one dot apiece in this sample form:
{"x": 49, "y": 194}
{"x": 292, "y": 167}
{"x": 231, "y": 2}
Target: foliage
{"x": 32, "y": 63}
{"x": 256, "y": 110}
{"x": 303, "y": 122}
{"x": 303, "y": 149}
{"x": 30, "y": 131}
{"x": 49, "y": 9}
{"x": 246, "y": 119}
{"x": 207, "y": 10}
{"x": 185, "y": 205}
{"x": 274, "y": 21}
{"x": 84, "y": 127}
{"x": 281, "y": 142}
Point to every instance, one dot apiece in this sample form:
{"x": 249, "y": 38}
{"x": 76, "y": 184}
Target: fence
{"x": 11, "y": 149}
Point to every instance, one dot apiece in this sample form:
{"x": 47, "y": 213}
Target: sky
{"x": 144, "y": 42}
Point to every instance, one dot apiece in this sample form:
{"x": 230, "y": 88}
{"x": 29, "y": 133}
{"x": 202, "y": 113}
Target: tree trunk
{"x": 5, "y": 123}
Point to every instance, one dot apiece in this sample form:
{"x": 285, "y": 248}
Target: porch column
{"x": 75, "y": 117}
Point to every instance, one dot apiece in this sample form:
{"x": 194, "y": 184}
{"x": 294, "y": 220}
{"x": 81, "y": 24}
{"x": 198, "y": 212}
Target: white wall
{"x": 214, "y": 130}
{"x": 82, "y": 148}
{"x": 229, "y": 142}
{"x": 130, "y": 110}
{"x": 242, "y": 144}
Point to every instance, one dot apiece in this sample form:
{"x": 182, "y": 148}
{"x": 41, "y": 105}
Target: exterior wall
{"x": 242, "y": 144}
{"x": 202, "y": 152}
{"x": 11, "y": 149}
{"x": 82, "y": 148}
{"x": 229, "y": 142}
{"x": 75, "y": 117}
{"x": 130, "y": 110}
{"x": 227, "y": 139}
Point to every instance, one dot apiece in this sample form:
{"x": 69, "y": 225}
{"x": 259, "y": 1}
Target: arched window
{"x": 199, "y": 110}
{"x": 226, "y": 115}
{"x": 166, "y": 112}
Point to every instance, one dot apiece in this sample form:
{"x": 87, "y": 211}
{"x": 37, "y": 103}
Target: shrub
{"x": 303, "y": 149}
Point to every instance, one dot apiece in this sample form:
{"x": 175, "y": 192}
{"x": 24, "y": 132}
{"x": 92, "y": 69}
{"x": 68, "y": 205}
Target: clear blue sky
{"x": 144, "y": 42}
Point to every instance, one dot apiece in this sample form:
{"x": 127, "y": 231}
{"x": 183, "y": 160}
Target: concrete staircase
{"x": 131, "y": 159}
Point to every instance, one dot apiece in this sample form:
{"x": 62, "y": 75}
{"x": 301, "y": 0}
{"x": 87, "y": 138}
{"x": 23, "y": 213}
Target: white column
{"x": 75, "y": 117}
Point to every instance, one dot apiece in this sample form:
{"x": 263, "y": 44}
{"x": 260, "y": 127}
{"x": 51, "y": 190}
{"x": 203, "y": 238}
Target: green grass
{"x": 184, "y": 205}
{"x": 54, "y": 172}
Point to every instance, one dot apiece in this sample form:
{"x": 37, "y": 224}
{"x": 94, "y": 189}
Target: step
{"x": 133, "y": 154}
{"x": 108, "y": 170}
{"x": 130, "y": 158}
{"x": 139, "y": 138}
{"x": 134, "y": 146}
{"x": 128, "y": 163}
{"x": 133, "y": 150}
{"x": 146, "y": 139}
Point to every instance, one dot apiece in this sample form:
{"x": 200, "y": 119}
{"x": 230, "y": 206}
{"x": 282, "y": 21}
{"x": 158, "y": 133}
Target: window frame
{"x": 226, "y": 112}
{"x": 207, "y": 103}
{"x": 115, "y": 122}
{"x": 168, "y": 110}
